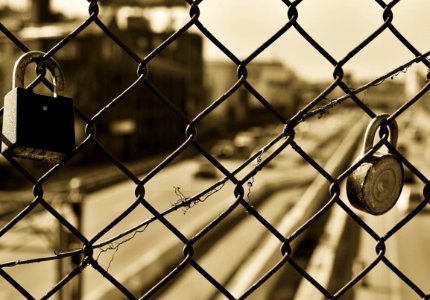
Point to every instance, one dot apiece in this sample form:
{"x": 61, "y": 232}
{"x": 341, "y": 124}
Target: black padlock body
{"x": 39, "y": 122}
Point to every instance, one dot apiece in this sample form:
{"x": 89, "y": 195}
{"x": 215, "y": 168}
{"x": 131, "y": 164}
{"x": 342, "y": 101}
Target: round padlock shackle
{"x": 50, "y": 63}
{"x": 373, "y": 127}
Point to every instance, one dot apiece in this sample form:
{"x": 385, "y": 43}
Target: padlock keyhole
{"x": 381, "y": 187}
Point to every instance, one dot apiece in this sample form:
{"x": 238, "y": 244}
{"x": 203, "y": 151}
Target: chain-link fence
{"x": 169, "y": 101}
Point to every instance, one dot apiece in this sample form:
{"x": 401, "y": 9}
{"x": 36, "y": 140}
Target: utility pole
{"x": 40, "y": 11}
{"x": 67, "y": 241}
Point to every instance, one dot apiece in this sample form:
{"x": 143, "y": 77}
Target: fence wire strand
{"x": 90, "y": 250}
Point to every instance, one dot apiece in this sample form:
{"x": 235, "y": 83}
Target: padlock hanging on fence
{"x": 376, "y": 184}
{"x": 36, "y": 126}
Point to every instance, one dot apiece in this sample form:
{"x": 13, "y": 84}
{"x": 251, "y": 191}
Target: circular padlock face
{"x": 376, "y": 184}
{"x": 382, "y": 184}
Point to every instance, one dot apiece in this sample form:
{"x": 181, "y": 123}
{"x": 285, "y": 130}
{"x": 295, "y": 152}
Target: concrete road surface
{"x": 123, "y": 257}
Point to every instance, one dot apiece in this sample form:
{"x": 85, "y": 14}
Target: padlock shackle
{"x": 50, "y": 63}
{"x": 373, "y": 127}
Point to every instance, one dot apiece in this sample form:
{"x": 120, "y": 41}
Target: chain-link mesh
{"x": 87, "y": 250}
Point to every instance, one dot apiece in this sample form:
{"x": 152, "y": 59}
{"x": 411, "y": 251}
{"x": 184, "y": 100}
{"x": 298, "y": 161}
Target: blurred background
{"x": 192, "y": 73}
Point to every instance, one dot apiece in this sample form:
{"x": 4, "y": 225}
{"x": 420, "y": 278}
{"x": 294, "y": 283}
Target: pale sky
{"x": 338, "y": 26}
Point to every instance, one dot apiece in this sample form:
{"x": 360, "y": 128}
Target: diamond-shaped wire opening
{"x": 37, "y": 236}
{"x": 347, "y": 63}
{"x": 157, "y": 249}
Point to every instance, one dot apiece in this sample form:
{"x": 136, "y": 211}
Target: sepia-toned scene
{"x": 214, "y": 149}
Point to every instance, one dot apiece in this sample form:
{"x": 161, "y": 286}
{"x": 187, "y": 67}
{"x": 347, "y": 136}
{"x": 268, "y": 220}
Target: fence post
{"x": 67, "y": 241}
{"x": 76, "y": 203}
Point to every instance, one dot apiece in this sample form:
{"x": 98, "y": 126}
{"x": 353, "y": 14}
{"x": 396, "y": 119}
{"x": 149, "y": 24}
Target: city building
{"x": 272, "y": 80}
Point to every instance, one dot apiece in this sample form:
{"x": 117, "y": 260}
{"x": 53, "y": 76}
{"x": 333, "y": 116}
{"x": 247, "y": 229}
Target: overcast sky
{"x": 337, "y": 25}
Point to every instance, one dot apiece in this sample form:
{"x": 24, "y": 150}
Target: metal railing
{"x": 84, "y": 250}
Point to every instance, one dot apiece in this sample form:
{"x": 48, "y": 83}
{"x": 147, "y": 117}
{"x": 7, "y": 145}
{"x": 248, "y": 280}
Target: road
{"x": 123, "y": 258}
{"x": 161, "y": 195}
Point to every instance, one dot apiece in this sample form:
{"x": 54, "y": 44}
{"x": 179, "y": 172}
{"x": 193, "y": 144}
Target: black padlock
{"x": 37, "y": 126}
{"x": 376, "y": 184}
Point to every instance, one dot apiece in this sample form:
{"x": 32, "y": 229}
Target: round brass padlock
{"x": 376, "y": 184}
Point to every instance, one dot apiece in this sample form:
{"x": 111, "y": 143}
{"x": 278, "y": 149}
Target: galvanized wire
{"x": 313, "y": 107}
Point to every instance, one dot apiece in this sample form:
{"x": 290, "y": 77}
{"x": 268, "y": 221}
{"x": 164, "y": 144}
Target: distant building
{"x": 144, "y": 3}
{"x": 415, "y": 83}
{"x": 271, "y": 79}
{"x": 97, "y": 70}
{"x": 388, "y": 95}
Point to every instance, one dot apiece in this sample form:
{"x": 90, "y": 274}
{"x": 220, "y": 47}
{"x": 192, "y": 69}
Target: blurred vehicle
{"x": 243, "y": 139}
{"x": 243, "y": 144}
{"x": 417, "y": 135}
{"x": 257, "y": 132}
{"x": 240, "y": 147}
{"x": 205, "y": 169}
{"x": 223, "y": 149}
